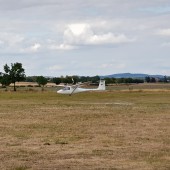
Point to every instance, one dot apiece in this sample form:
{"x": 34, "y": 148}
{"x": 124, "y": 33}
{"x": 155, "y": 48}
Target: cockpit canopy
{"x": 66, "y": 88}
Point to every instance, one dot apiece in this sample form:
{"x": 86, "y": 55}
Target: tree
{"x": 120, "y": 80}
{"x": 68, "y": 80}
{"x": 152, "y": 80}
{"x": 14, "y": 74}
{"x": 108, "y": 80}
{"x": 5, "y": 80}
{"x": 76, "y": 79}
{"x": 56, "y": 80}
{"x": 128, "y": 80}
{"x": 31, "y": 79}
{"x": 95, "y": 79}
{"x": 42, "y": 81}
{"x": 147, "y": 79}
{"x": 165, "y": 79}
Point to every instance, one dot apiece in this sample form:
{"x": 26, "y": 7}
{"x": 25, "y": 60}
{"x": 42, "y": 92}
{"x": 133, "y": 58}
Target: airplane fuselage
{"x": 76, "y": 89}
{"x": 71, "y": 90}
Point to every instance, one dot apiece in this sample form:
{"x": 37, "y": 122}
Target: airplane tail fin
{"x": 101, "y": 85}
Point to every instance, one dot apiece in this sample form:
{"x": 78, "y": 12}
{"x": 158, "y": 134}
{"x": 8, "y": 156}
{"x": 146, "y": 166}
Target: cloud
{"x": 109, "y": 38}
{"x": 11, "y": 42}
{"x": 61, "y": 47}
{"x": 35, "y": 47}
{"x": 82, "y": 34}
{"x": 156, "y": 9}
{"x": 1, "y": 42}
{"x": 77, "y": 34}
{"x": 49, "y": 31}
{"x": 20, "y": 4}
{"x": 55, "y": 68}
{"x": 166, "y": 44}
{"x": 164, "y": 32}
{"x": 18, "y": 43}
{"x": 113, "y": 65}
{"x": 11, "y": 39}
{"x": 30, "y": 49}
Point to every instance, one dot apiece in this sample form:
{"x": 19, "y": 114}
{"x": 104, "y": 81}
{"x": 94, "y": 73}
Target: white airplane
{"x": 77, "y": 89}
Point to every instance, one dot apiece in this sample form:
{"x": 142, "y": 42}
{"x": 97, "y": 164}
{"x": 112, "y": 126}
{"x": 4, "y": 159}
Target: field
{"x": 119, "y": 129}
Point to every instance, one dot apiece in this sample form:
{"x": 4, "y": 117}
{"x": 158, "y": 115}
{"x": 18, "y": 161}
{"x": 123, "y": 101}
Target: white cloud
{"x": 55, "y": 68}
{"x": 82, "y": 34}
{"x": 109, "y": 38}
{"x": 77, "y": 34}
{"x": 11, "y": 42}
{"x": 78, "y": 29}
{"x": 35, "y": 47}
{"x": 55, "y": 29}
{"x": 20, "y": 4}
{"x": 166, "y": 44}
{"x": 11, "y": 39}
{"x": 1, "y": 42}
{"x": 113, "y": 65}
{"x": 61, "y": 47}
{"x": 164, "y": 32}
{"x": 31, "y": 49}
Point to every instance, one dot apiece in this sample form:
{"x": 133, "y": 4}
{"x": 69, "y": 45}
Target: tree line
{"x": 16, "y": 73}
{"x": 149, "y": 79}
{"x": 66, "y": 79}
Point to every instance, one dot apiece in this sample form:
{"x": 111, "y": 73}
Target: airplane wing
{"x": 72, "y": 85}
{"x": 61, "y": 85}
{"x": 74, "y": 88}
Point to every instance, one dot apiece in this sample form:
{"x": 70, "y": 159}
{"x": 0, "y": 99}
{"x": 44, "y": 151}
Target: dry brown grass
{"x": 32, "y": 84}
{"x": 108, "y": 130}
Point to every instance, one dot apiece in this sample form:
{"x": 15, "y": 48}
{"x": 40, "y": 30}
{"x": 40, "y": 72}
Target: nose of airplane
{"x": 59, "y": 91}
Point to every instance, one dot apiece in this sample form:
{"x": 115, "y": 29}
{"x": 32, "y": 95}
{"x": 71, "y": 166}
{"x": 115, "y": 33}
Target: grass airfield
{"x": 119, "y": 129}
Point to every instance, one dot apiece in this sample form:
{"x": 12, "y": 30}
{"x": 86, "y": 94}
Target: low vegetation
{"x": 119, "y": 129}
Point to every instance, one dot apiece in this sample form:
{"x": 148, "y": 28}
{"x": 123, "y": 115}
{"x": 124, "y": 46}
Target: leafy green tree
{"x": 14, "y": 74}
{"x": 120, "y": 80}
{"x": 165, "y": 80}
{"x": 5, "y": 80}
{"x": 76, "y": 79}
{"x": 108, "y": 80}
{"x": 68, "y": 80}
{"x": 138, "y": 81}
{"x": 42, "y": 81}
{"x": 147, "y": 79}
{"x": 152, "y": 80}
{"x": 56, "y": 80}
{"x": 31, "y": 79}
{"x": 128, "y": 80}
{"x": 95, "y": 79}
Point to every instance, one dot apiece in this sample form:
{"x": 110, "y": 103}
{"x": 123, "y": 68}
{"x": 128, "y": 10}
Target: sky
{"x": 86, "y": 37}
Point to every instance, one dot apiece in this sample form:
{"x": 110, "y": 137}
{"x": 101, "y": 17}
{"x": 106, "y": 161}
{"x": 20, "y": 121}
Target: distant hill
{"x": 130, "y": 75}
